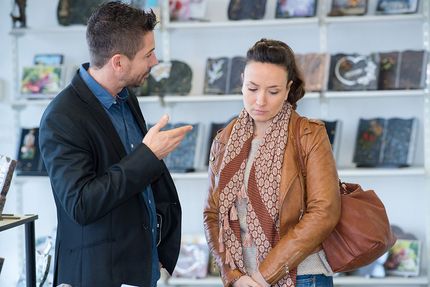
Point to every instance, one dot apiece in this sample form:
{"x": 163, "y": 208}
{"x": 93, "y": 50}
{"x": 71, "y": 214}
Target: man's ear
{"x": 116, "y": 62}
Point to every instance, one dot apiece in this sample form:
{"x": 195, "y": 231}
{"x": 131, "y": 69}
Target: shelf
{"x": 21, "y": 179}
{"x": 52, "y": 30}
{"x": 290, "y": 22}
{"x": 390, "y": 280}
{"x": 242, "y": 23}
{"x": 149, "y": 99}
{"x": 204, "y": 98}
{"x": 48, "y": 30}
{"x": 345, "y": 280}
{"x": 343, "y": 172}
{"x": 190, "y": 98}
{"x": 154, "y": 99}
{"x": 190, "y": 175}
{"x": 374, "y": 94}
{"x": 231, "y": 24}
{"x": 347, "y": 172}
{"x": 405, "y": 171}
{"x": 194, "y": 282}
{"x": 235, "y": 98}
{"x": 373, "y": 18}
{"x": 26, "y": 102}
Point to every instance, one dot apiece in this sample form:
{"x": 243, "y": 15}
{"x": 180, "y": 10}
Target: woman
{"x": 255, "y": 222}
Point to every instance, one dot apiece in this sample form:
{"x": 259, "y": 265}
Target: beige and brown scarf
{"x": 262, "y": 191}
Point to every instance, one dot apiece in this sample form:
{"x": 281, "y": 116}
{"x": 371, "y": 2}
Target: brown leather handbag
{"x": 363, "y": 233}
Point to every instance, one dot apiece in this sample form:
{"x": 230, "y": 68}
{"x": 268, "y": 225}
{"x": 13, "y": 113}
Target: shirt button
{"x": 132, "y": 145}
{"x": 149, "y": 201}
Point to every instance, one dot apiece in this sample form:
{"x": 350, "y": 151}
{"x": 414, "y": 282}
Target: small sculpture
{"x": 375, "y": 269}
{"x": 18, "y": 14}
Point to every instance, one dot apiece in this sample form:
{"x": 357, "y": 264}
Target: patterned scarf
{"x": 262, "y": 191}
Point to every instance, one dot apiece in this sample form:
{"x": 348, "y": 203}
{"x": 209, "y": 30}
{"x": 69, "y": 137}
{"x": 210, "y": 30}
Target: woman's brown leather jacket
{"x": 300, "y": 235}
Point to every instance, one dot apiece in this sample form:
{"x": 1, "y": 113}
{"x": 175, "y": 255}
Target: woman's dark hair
{"x": 279, "y": 53}
{"x": 114, "y": 28}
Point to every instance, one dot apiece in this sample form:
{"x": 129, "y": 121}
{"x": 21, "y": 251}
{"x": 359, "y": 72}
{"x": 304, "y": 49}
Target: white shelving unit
{"x": 420, "y": 98}
{"x": 194, "y": 42}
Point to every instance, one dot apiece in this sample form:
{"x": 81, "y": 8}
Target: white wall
{"x": 401, "y": 195}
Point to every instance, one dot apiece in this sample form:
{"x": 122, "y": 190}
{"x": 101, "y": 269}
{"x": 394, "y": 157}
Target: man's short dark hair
{"x": 116, "y": 27}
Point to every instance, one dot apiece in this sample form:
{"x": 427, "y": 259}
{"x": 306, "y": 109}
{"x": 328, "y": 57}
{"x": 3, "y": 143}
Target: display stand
{"x": 8, "y": 221}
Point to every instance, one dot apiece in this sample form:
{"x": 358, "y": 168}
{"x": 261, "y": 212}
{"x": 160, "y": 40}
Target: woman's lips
{"x": 259, "y": 112}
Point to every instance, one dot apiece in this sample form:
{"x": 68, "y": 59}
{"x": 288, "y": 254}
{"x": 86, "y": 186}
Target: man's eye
{"x": 252, "y": 89}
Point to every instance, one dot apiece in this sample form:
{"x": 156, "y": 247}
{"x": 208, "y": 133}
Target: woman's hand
{"x": 260, "y": 279}
{"x": 245, "y": 281}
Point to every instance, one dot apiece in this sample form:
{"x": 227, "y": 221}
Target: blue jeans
{"x": 319, "y": 280}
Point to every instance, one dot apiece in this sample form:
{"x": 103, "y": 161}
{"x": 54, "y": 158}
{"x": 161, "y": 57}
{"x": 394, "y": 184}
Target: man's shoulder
{"x": 66, "y": 105}
{"x": 63, "y": 99}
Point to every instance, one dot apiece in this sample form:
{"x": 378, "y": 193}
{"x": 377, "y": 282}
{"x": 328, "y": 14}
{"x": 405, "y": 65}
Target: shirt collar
{"x": 101, "y": 93}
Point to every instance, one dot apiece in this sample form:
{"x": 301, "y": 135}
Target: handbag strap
{"x": 300, "y": 164}
{"x": 299, "y": 157}
{"x": 343, "y": 188}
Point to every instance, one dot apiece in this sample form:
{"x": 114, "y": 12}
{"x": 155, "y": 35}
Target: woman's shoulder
{"x": 306, "y": 125}
{"x": 310, "y": 132}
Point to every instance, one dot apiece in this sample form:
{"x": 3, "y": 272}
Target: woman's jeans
{"x": 319, "y": 280}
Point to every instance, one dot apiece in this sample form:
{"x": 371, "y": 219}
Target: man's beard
{"x": 139, "y": 82}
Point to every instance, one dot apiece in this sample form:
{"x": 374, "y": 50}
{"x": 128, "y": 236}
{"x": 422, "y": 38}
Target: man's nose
{"x": 154, "y": 60}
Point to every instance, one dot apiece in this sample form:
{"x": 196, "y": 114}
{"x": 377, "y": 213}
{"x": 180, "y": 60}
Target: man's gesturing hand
{"x": 163, "y": 142}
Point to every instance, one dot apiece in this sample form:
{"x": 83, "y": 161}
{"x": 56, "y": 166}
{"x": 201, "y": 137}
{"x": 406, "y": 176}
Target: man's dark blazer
{"x": 103, "y": 234}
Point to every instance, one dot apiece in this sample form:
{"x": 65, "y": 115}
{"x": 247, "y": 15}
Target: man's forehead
{"x": 148, "y": 42}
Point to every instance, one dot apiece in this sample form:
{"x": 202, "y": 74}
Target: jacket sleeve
{"x": 210, "y": 218}
{"x": 69, "y": 158}
{"x": 322, "y": 209}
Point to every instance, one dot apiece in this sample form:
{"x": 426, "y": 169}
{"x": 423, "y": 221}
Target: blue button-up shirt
{"x": 131, "y": 136}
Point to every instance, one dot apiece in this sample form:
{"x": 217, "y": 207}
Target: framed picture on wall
{"x": 41, "y": 81}
{"x": 295, "y": 8}
{"x": 48, "y": 59}
{"x": 397, "y": 6}
{"x": 29, "y": 159}
{"x": 348, "y": 8}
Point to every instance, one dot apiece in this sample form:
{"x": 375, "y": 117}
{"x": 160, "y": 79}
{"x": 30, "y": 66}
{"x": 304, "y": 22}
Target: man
{"x": 109, "y": 183}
